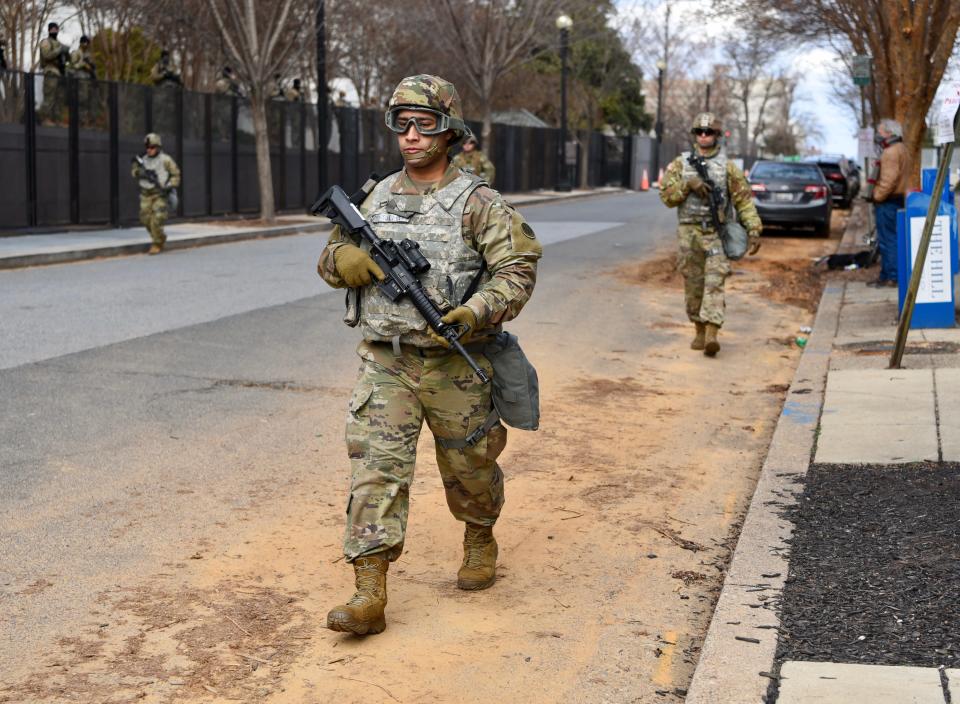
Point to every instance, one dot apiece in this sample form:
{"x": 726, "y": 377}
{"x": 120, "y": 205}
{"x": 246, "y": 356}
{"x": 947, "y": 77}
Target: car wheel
{"x": 822, "y": 229}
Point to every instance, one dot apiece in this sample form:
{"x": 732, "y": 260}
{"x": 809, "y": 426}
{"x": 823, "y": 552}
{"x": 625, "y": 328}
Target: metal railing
{"x": 66, "y": 145}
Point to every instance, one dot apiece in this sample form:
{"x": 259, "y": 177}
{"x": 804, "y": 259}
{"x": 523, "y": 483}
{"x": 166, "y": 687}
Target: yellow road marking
{"x": 662, "y": 676}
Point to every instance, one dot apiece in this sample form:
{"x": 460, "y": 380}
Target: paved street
{"x": 171, "y": 440}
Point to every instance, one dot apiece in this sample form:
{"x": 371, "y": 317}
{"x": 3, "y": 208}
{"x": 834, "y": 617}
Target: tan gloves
{"x": 699, "y": 186}
{"x": 355, "y": 266}
{"x": 754, "y": 239}
{"x": 461, "y": 316}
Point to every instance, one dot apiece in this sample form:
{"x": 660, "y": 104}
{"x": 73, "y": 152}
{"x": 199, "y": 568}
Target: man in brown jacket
{"x": 888, "y": 193}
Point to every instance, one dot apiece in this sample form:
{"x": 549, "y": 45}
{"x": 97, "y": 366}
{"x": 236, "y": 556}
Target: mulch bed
{"x": 875, "y": 567}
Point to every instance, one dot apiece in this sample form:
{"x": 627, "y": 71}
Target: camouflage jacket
{"x": 50, "y": 52}
{"x": 81, "y": 64}
{"x": 476, "y": 162}
{"x": 492, "y": 228}
{"x": 163, "y": 165}
{"x": 674, "y": 191}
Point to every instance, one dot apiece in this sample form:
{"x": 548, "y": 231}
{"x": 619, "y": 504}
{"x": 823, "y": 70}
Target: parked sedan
{"x": 792, "y": 194}
{"x": 840, "y": 176}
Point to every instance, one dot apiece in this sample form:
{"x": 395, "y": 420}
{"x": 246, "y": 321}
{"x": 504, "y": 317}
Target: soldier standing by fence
{"x": 53, "y": 61}
{"x": 81, "y": 61}
{"x": 474, "y": 161}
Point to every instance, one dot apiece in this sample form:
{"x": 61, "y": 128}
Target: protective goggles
{"x": 435, "y": 124}
{"x": 705, "y": 131}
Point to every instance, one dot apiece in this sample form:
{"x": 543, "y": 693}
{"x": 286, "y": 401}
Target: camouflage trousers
{"x": 704, "y": 267}
{"x": 153, "y": 213}
{"x": 392, "y": 397}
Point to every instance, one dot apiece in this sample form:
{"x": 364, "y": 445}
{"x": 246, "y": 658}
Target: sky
{"x": 814, "y": 66}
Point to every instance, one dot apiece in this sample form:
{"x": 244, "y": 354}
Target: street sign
{"x": 865, "y": 145}
{"x": 948, "y": 111}
{"x": 862, "y": 70}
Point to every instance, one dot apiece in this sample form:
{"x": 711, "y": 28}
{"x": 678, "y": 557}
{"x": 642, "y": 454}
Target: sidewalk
{"x": 18, "y": 251}
{"x": 845, "y": 584}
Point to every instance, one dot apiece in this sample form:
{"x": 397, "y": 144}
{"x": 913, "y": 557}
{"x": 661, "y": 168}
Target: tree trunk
{"x": 264, "y": 174}
{"x": 486, "y": 132}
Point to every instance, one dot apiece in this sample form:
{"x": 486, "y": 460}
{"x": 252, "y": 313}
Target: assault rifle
{"x": 148, "y": 174}
{"x": 716, "y": 197}
{"x": 401, "y": 262}
{"x": 62, "y": 59}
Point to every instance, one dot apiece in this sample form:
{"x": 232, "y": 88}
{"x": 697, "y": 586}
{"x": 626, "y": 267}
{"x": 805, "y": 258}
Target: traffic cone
{"x": 659, "y": 178}
{"x": 645, "y": 182}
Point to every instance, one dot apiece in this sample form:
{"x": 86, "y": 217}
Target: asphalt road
{"x": 148, "y": 399}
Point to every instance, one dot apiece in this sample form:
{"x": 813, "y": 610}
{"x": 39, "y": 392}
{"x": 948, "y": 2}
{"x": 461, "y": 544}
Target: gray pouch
{"x": 735, "y": 238}
{"x": 515, "y": 391}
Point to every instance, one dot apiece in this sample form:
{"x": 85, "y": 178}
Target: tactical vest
{"x": 157, "y": 164}
{"x": 696, "y": 210}
{"x": 50, "y": 56}
{"x": 435, "y": 221}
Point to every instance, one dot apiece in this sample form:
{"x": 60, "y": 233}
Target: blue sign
{"x": 935, "y": 306}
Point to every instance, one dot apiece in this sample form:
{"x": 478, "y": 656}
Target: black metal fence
{"x": 66, "y": 146}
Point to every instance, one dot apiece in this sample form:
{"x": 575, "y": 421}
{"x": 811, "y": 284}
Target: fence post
{"x": 30, "y": 119}
{"x": 113, "y": 99}
{"x": 208, "y": 149}
{"x": 282, "y": 181}
{"x": 178, "y": 110}
{"x": 303, "y": 155}
{"x": 73, "y": 146}
{"x": 234, "y": 157}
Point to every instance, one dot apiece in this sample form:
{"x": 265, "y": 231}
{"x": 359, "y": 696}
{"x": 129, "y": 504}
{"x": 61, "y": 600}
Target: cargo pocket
{"x": 356, "y": 433}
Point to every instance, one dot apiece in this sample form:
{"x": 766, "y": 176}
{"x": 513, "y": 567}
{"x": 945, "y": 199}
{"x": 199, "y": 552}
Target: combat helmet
{"x": 152, "y": 140}
{"x": 706, "y": 121}
{"x": 430, "y": 94}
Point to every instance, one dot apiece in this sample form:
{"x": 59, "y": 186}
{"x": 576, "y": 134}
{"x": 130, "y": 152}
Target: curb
{"x": 76, "y": 255}
{"x": 573, "y": 196}
{"x": 738, "y": 652}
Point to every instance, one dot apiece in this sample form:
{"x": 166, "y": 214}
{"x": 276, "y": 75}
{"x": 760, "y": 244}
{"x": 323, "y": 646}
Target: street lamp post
{"x": 658, "y": 128}
{"x": 564, "y": 23}
{"x": 321, "y": 39}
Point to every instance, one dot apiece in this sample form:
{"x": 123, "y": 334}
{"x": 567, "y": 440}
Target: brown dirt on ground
{"x": 622, "y": 512}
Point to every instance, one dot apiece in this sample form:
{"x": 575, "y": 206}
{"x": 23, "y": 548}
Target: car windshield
{"x": 785, "y": 170}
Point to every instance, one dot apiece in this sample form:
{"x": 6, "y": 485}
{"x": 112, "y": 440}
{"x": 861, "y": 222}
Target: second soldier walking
{"x": 701, "y": 258}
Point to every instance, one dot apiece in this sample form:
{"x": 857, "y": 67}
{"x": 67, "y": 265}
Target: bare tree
{"x": 490, "y": 39}
{"x": 259, "y": 38}
{"x": 23, "y": 23}
{"x": 910, "y": 42}
{"x": 752, "y": 86}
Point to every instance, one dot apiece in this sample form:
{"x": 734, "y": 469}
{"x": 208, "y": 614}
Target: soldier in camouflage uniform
{"x": 474, "y": 161}
{"x": 701, "y": 259}
{"x": 164, "y": 73}
{"x": 154, "y": 201}
{"x": 227, "y": 84}
{"x": 483, "y": 268}
{"x": 294, "y": 92}
{"x": 81, "y": 61}
{"x": 53, "y": 60}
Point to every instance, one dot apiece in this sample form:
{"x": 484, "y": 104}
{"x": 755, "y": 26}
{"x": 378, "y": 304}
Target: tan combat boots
{"x": 710, "y": 344}
{"x": 698, "y": 340}
{"x": 479, "y": 568}
{"x": 363, "y": 614}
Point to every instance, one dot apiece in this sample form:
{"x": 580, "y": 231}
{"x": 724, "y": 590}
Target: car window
{"x": 785, "y": 170}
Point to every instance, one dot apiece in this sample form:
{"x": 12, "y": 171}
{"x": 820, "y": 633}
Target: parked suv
{"x": 791, "y": 194}
{"x": 840, "y": 174}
